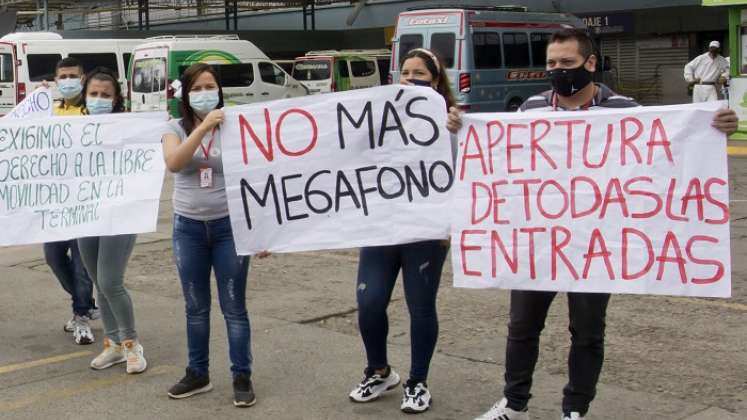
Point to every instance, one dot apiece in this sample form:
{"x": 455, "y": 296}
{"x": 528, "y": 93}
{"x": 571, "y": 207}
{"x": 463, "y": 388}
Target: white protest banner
{"x": 38, "y": 104}
{"x": 364, "y": 167}
{"x": 623, "y": 201}
{"x": 69, "y": 177}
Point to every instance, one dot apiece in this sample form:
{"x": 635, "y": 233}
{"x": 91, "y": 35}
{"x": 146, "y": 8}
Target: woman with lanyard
{"x": 106, "y": 257}
{"x": 421, "y": 264}
{"x": 203, "y": 239}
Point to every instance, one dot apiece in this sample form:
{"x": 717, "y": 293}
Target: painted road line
{"x": 736, "y": 150}
{"x": 88, "y": 387}
{"x": 41, "y": 362}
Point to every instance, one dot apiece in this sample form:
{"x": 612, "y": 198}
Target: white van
{"x": 36, "y": 55}
{"x": 335, "y": 71}
{"x": 246, "y": 74}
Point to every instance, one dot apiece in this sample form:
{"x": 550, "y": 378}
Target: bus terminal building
{"x": 646, "y": 43}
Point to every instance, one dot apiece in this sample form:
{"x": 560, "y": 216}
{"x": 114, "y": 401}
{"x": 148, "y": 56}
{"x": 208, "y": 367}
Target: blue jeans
{"x": 198, "y": 247}
{"x": 71, "y": 273}
{"x": 421, "y": 264}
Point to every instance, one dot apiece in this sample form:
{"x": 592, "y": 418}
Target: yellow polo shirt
{"x": 61, "y": 109}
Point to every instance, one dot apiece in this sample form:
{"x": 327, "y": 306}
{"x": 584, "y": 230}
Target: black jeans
{"x": 528, "y": 312}
{"x": 71, "y": 273}
{"x": 421, "y": 264}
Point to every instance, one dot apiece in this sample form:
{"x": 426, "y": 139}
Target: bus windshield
{"x": 307, "y": 70}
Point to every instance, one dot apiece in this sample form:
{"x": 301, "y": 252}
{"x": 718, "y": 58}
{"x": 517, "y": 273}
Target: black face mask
{"x": 566, "y": 82}
{"x": 418, "y": 82}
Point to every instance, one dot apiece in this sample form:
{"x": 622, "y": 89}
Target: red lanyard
{"x": 584, "y": 107}
{"x": 205, "y": 151}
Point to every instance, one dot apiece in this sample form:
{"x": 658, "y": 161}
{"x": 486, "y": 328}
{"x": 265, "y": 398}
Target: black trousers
{"x": 527, "y": 319}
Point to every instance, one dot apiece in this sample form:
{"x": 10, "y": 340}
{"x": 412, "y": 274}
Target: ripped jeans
{"x": 378, "y": 267}
{"x": 198, "y": 247}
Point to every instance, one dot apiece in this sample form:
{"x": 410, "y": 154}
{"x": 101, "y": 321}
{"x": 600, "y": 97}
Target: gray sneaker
{"x": 82, "y": 333}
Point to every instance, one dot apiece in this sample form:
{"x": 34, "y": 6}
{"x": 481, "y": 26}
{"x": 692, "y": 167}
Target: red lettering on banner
{"x": 530, "y": 232}
{"x": 627, "y": 141}
{"x": 497, "y": 200}
{"x": 694, "y": 192}
{"x": 670, "y": 241}
{"x": 472, "y": 134}
{"x": 525, "y": 185}
{"x": 670, "y": 198}
{"x": 513, "y": 261}
{"x": 597, "y": 194}
{"x": 605, "y": 153}
{"x": 643, "y": 193}
{"x": 596, "y": 237}
{"x": 614, "y": 184}
{"x": 464, "y": 248}
{"x": 718, "y": 264}
{"x": 509, "y": 147}
{"x": 556, "y": 251}
{"x": 569, "y": 139}
{"x": 478, "y": 219}
{"x": 720, "y": 204}
{"x": 493, "y": 141}
{"x": 314, "y": 132}
{"x": 658, "y": 127}
{"x": 562, "y": 193}
{"x": 626, "y": 274}
{"x": 534, "y": 143}
{"x": 266, "y": 151}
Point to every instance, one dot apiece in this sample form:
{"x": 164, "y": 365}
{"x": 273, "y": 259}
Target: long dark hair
{"x": 188, "y": 79}
{"x": 105, "y": 74}
{"x": 442, "y": 80}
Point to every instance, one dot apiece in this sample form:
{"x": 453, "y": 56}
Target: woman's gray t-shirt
{"x": 190, "y": 199}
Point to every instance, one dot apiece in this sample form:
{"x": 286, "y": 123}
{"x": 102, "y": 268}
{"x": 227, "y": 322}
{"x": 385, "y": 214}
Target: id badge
{"x": 206, "y": 177}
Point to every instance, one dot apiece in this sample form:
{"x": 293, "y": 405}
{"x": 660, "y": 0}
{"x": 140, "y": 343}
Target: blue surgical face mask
{"x": 203, "y": 101}
{"x": 70, "y": 87}
{"x": 97, "y": 106}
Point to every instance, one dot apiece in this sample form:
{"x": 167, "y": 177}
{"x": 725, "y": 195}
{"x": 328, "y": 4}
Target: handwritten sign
{"x": 364, "y": 167}
{"x": 70, "y": 177}
{"x": 621, "y": 201}
{"x": 38, "y": 104}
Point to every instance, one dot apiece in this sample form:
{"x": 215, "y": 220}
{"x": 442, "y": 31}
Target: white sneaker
{"x": 500, "y": 411}
{"x": 416, "y": 399}
{"x": 373, "y": 385}
{"x": 136, "y": 362}
{"x": 113, "y": 353}
{"x": 575, "y": 415}
{"x": 82, "y": 333}
{"x": 69, "y": 325}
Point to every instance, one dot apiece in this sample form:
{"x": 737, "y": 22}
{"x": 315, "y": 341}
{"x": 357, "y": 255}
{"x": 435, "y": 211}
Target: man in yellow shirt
{"x": 69, "y": 269}
{"x": 69, "y": 80}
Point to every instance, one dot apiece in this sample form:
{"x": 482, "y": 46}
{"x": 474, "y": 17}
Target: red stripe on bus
{"x": 495, "y": 24}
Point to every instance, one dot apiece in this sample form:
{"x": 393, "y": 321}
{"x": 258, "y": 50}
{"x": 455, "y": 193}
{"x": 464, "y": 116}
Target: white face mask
{"x": 70, "y": 87}
{"x": 204, "y": 101}
{"x": 99, "y": 105}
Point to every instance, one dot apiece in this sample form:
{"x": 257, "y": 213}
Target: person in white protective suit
{"x": 707, "y": 72}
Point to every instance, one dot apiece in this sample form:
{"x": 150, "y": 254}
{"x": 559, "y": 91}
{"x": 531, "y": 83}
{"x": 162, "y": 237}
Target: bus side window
{"x": 126, "y": 64}
{"x": 487, "y": 50}
{"x": 443, "y": 45}
{"x": 92, "y": 60}
{"x": 539, "y": 49}
{"x": 42, "y": 66}
{"x": 516, "y": 49}
{"x": 409, "y": 42}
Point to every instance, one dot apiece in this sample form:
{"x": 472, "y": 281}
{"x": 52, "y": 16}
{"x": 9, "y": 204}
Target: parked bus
{"x": 246, "y": 74}
{"x": 495, "y": 56}
{"x": 334, "y": 71}
{"x": 36, "y": 54}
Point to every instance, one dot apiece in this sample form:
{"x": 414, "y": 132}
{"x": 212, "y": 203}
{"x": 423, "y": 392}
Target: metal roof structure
{"x": 51, "y": 14}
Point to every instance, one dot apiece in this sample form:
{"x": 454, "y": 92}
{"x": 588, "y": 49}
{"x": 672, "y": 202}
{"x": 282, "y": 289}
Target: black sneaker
{"x": 191, "y": 384}
{"x": 243, "y": 391}
{"x": 416, "y": 398}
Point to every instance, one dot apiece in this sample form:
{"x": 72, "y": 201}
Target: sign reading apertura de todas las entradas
{"x": 358, "y": 168}
{"x": 620, "y": 201}
{"x": 68, "y": 177}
